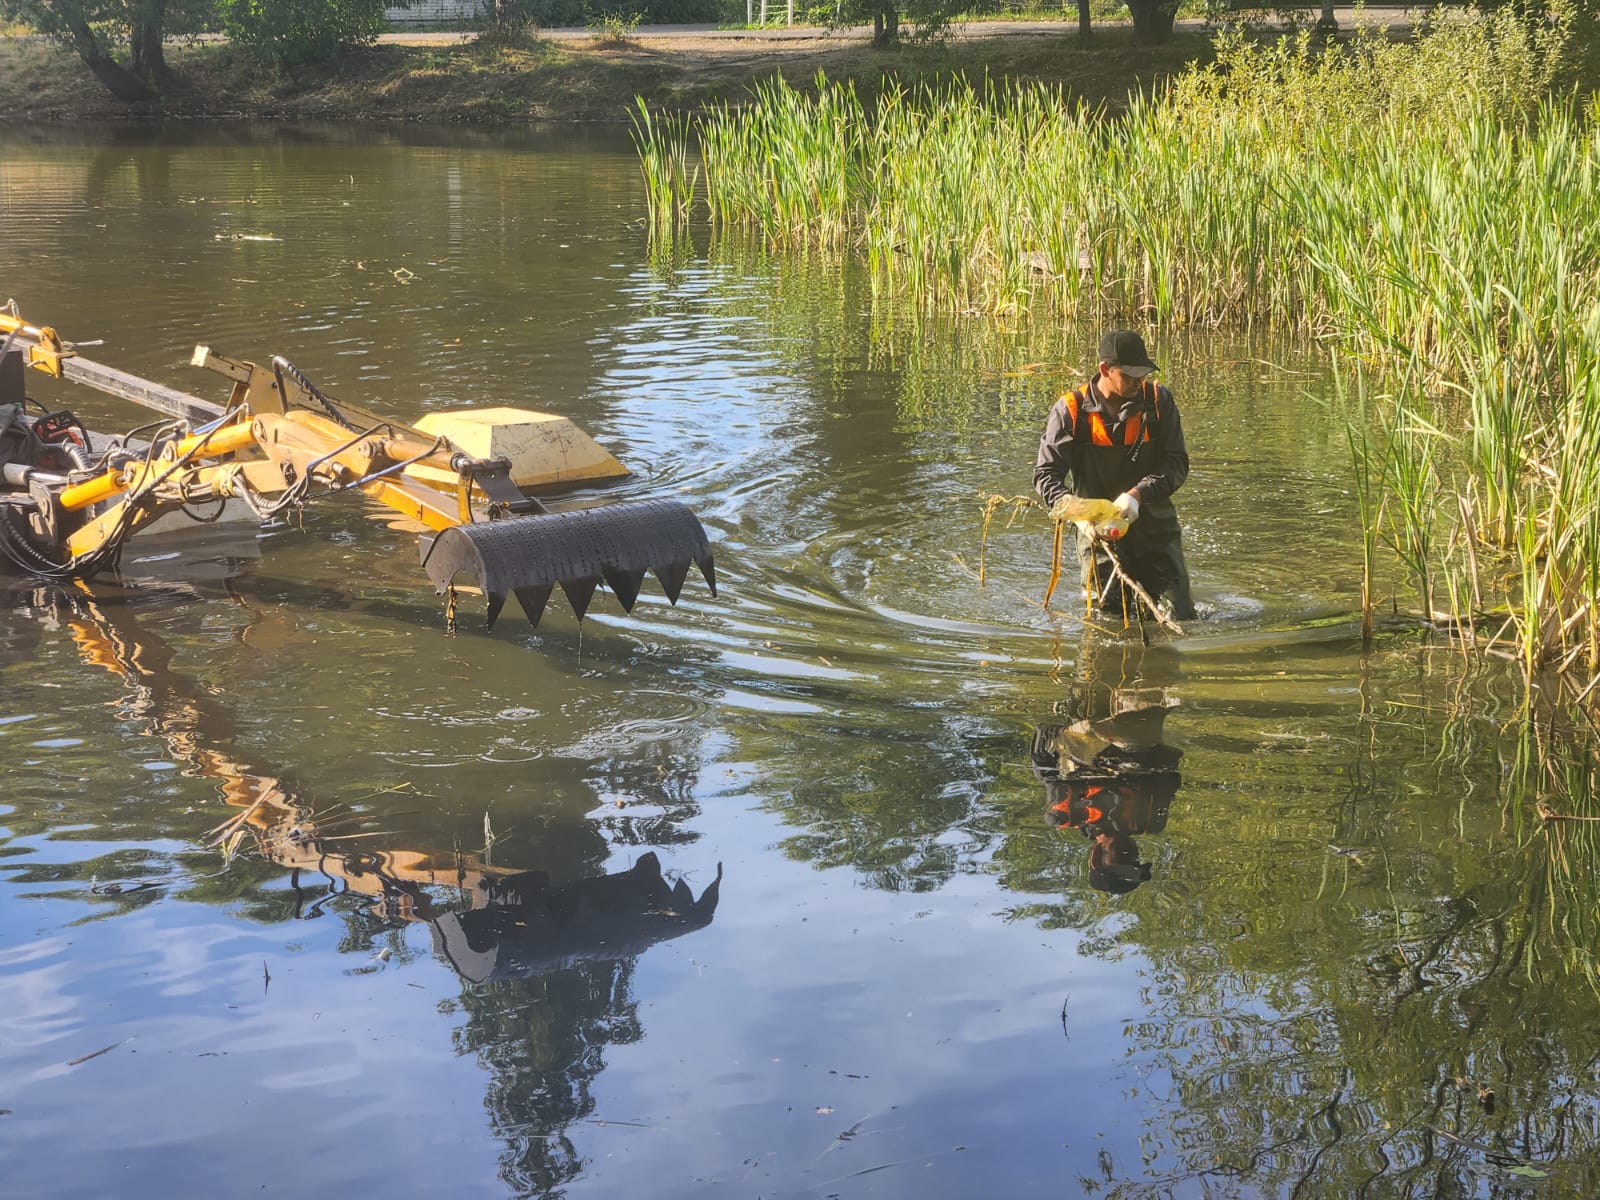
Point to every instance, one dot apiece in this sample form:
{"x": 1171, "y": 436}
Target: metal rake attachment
{"x": 616, "y": 544}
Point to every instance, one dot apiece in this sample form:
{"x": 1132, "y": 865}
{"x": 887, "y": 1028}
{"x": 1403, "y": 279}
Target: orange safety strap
{"x": 1091, "y": 812}
{"x": 1133, "y": 431}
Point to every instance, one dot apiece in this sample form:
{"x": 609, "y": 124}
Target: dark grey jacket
{"x": 1071, "y": 463}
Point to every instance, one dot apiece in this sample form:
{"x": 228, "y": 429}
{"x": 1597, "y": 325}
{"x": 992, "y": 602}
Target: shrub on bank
{"x": 302, "y": 31}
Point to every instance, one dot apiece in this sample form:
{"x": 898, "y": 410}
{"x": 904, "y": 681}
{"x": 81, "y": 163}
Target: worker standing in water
{"x": 1118, "y": 437}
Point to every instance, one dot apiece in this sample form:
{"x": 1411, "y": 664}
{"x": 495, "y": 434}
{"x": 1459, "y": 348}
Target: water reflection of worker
{"x": 1111, "y": 779}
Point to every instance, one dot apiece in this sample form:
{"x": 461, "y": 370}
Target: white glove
{"x": 1128, "y": 506}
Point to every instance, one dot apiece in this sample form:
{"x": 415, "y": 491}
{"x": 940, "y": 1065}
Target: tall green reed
{"x": 670, "y": 173}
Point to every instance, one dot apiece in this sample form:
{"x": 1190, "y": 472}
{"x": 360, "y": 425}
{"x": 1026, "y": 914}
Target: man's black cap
{"x": 1124, "y": 348}
{"x": 1116, "y": 868}
{"x": 1120, "y": 879}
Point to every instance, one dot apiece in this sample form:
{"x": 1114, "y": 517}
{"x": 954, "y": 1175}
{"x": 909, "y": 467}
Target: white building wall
{"x": 428, "y": 11}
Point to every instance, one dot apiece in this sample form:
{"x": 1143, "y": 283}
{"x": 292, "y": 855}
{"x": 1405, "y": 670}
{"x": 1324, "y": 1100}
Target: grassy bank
{"x": 577, "y": 79}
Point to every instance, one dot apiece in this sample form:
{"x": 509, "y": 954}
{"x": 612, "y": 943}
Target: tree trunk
{"x": 1083, "y": 18}
{"x": 886, "y": 27}
{"x": 119, "y": 81}
{"x": 147, "y": 37}
{"x": 505, "y": 15}
{"x": 1152, "y": 20}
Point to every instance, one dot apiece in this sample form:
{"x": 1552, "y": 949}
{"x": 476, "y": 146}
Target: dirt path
{"x": 574, "y": 75}
{"x": 770, "y": 39}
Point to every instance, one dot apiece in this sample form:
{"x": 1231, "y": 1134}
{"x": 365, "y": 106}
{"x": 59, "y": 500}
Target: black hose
{"x": 282, "y": 366}
{"x": 79, "y": 455}
{"x": 18, "y": 547}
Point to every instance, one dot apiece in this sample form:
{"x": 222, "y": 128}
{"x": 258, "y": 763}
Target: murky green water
{"x": 1344, "y": 974}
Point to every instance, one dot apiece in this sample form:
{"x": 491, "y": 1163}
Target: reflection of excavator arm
{"x": 515, "y": 922}
{"x": 70, "y": 499}
{"x": 284, "y": 827}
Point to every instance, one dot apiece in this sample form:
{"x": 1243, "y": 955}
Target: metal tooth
{"x": 672, "y": 576}
{"x": 497, "y": 601}
{"x": 623, "y": 584}
{"x": 579, "y": 592}
{"x": 577, "y": 549}
{"x": 533, "y": 600}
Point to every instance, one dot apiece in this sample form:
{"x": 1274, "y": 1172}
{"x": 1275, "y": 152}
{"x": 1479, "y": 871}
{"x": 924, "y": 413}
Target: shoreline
{"x": 574, "y": 75}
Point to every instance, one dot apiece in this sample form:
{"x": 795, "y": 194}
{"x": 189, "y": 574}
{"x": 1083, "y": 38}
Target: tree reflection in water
{"x": 552, "y": 970}
{"x": 1410, "y": 1023}
{"x": 1347, "y": 986}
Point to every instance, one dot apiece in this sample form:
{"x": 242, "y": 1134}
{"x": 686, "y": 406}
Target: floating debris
{"x": 83, "y": 1058}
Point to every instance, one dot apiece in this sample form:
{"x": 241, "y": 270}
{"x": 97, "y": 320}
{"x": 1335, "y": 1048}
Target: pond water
{"x": 298, "y": 890}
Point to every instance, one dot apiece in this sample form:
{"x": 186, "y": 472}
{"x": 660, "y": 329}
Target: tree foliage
{"x": 302, "y": 31}
{"x": 120, "y": 41}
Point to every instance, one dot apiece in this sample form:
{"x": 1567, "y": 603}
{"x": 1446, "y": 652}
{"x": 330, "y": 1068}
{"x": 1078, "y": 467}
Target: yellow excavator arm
{"x": 67, "y": 506}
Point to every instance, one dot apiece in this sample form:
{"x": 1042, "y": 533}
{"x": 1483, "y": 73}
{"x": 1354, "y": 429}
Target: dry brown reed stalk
{"x": 991, "y": 503}
{"x": 220, "y": 832}
{"x": 1546, "y": 813}
{"x": 1128, "y": 582}
{"x": 1055, "y": 562}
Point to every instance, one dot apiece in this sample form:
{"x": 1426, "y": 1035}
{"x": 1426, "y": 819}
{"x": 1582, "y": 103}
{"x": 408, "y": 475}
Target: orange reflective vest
{"x": 1089, "y": 812}
{"x": 1135, "y": 429}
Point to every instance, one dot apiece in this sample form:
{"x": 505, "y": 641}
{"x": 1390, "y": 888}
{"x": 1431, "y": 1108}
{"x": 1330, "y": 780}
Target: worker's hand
{"x": 1127, "y": 506}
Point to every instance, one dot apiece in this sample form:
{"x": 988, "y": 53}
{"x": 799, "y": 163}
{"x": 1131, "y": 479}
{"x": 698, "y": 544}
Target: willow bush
{"x": 1429, "y": 207}
{"x": 294, "y": 32}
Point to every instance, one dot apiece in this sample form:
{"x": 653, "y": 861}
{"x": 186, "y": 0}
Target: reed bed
{"x": 669, "y": 165}
{"x": 1425, "y": 207}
